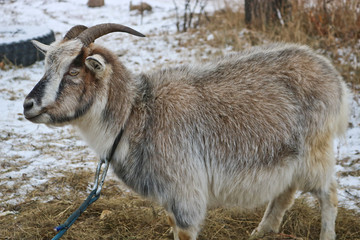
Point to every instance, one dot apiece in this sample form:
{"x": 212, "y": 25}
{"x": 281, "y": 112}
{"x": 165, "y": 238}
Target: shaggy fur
{"x": 244, "y": 130}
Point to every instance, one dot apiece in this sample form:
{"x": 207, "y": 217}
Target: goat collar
{"x": 115, "y": 144}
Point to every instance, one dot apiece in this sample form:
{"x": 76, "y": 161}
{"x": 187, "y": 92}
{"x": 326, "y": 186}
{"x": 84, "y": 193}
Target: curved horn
{"x": 74, "y": 32}
{"x": 89, "y": 35}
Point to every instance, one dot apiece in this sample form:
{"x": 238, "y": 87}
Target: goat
{"x": 244, "y": 130}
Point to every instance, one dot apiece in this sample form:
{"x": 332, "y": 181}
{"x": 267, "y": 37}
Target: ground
{"x": 41, "y": 164}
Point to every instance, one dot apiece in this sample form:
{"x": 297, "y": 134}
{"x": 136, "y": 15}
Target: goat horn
{"x": 89, "y": 35}
{"x": 74, "y": 32}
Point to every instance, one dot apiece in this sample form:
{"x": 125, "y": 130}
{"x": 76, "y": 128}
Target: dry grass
{"x": 119, "y": 215}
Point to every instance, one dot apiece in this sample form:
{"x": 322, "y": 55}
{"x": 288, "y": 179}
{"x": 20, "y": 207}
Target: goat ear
{"x": 40, "y": 46}
{"x": 95, "y": 63}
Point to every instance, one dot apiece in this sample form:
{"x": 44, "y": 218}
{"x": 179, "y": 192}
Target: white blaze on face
{"x": 57, "y": 62}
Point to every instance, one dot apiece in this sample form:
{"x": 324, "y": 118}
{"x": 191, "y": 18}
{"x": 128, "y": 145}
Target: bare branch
{"x": 177, "y": 16}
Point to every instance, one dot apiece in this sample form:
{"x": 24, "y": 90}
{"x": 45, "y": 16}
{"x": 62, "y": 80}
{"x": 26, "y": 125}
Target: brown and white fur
{"x": 245, "y": 130}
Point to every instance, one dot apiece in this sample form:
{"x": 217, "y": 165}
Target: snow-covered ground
{"x": 31, "y": 154}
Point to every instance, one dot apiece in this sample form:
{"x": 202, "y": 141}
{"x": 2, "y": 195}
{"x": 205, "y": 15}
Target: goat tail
{"x": 344, "y": 112}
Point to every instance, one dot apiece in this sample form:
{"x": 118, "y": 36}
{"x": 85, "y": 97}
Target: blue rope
{"x": 95, "y": 193}
{"x": 61, "y": 229}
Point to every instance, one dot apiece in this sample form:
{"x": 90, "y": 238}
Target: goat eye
{"x": 73, "y": 72}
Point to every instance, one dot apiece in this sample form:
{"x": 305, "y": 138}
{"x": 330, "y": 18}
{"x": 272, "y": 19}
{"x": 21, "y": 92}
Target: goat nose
{"x": 28, "y": 104}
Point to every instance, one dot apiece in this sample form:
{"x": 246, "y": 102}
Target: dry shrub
{"x": 225, "y": 25}
{"x": 124, "y": 215}
{"x": 336, "y": 19}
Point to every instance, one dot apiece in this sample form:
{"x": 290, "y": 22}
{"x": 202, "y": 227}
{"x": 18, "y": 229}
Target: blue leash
{"x": 61, "y": 229}
{"x": 95, "y": 193}
{"x": 93, "y": 196}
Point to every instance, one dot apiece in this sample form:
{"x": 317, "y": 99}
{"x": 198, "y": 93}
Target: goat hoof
{"x": 256, "y": 234}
